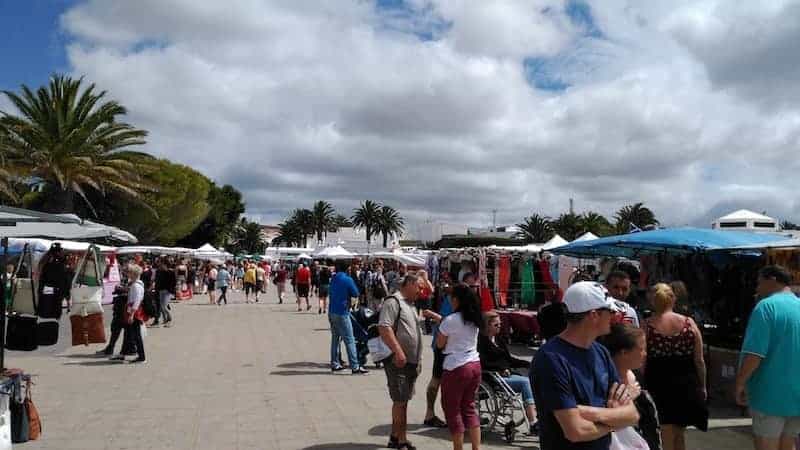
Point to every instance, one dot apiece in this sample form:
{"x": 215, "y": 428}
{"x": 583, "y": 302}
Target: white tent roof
{"x": 745, "y": 214}
{"x": 154, "y": 249}
{"x": 37, "y": 245}
{"x": 16, "y": 222}
{"x": 334, "y": 253}
{"x": 207, "y": 248}
{"x": 588, "y": 236}
{"x": 303, "y": 256}
{"x": 554, "y": 242}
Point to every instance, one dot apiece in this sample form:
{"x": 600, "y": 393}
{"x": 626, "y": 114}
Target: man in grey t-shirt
{"x": 400, "y": 330}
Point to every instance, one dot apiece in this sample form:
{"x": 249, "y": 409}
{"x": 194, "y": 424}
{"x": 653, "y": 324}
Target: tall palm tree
{"x": 535, "y": 228}
{"x": 249, "y": 238}
{"x": 568, "y": 226}
{"x": 289, "y": 234}
{"x": 6, "y": 176}
{"x": 592, "y": 222}
{"x": 304, "y": 221}
{"x": 635, "y": 215}
{"x": 72, "y": 139}
{"x": 367, "y": 216}
{"x": 389, "y": 222}
{"x": 324, "y": 215}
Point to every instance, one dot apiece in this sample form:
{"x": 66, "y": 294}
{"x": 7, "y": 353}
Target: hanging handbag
{"x": 88, "y": 329}
{"x": 20, "y": 425}
{"x": 23, "y": 292}
{"x": 21, "y": 333}
{"x": 86, "y": 300}
{"x": 47, "y": 332}
{"x": 34, "y": 421}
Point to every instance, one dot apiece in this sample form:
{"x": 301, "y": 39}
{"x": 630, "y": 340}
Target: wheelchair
{"x": 499, "y": 406}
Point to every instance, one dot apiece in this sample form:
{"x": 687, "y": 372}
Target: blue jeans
{"x": 521, "y": 385}
{"x": 341, "y": 328}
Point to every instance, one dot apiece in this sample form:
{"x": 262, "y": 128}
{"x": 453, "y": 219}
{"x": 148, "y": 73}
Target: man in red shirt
{"x": 303, "y": 281}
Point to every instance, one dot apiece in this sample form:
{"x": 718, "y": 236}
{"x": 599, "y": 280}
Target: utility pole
{"x": 494, "y": 220}
{"x": 571, "y": 206}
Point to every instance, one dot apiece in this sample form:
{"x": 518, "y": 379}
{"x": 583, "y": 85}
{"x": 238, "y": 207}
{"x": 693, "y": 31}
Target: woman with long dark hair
{"x": 458, "y": 338}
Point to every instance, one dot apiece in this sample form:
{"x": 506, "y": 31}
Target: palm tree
{"x": 289, "y": 234}
{"x": 367, "y": 216}
{"x": 304, "y": 221}
{"x": 340, "y": 221}
{"x": 535, "y": 228}
{"x": 72, "y": 140}
{"x": 249, "y": 238}
{"x": 635, "y": 215}
{"x": 389, "y": 222}
{"x": 323, "y": 215}
{"x": 7, "y": 178}
{"x": 592, "y": 222}
{"x": 568, "y": 226}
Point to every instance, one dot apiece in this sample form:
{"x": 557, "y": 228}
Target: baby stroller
{"x": 365, "y": 327}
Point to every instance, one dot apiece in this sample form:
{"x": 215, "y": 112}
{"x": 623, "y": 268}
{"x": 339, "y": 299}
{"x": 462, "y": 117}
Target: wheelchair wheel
{"x": 486, "y": 403}
{"x": 510, "y": 432}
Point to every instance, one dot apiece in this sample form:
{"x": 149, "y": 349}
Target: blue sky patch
{"x": 542, "y": 73}
{"x": 399, "y": 16}
{"x": 580, "y": 13}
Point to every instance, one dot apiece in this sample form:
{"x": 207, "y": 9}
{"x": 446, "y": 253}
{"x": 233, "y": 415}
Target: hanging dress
{"x": 528, "y": 294}
{"x": 503, "y": 279}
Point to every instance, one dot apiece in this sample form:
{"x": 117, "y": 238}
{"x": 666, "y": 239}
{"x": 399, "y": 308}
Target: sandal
{"x": 435, "y": 422}
{"x": 406, "y": 446}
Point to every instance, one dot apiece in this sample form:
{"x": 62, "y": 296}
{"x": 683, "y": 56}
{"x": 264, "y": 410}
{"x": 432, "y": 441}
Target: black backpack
{"x": 378, "y": 288}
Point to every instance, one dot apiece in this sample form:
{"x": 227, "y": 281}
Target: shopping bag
{"x": 378, "y": 350}
{"x": 34, "y": 421}
{"x": 24, "y": 301}
{"x": 21, "y": 333}
{"x": 86, "y": 300}
{"x": 627, "y": 439}
{"x": 47, "y": 332}
{"x": 88, "y": 329}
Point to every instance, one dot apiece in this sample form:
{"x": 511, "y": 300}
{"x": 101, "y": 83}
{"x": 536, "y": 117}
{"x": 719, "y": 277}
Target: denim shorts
{"x": 773, "y": 427}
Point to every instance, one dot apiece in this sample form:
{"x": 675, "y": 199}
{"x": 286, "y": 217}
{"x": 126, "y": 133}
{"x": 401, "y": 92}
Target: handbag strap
{"x": 26, "y": 251}
{"x": 79, "y": 269}
{"x": 399, "y": 312}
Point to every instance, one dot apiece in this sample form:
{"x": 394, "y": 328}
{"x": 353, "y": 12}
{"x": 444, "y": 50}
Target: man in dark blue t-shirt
{"x": 575, "y": 384}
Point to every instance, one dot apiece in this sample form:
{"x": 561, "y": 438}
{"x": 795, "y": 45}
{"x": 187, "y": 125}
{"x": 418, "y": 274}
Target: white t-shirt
{"x": 462, "y": 342}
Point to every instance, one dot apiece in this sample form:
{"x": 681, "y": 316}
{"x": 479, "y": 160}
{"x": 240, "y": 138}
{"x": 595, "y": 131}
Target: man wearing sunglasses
{"x": 575, "y": 384}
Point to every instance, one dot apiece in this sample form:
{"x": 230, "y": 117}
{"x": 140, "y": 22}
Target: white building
{"x": 746, "y": 220}
{"x": 432, "y": 231}
{"x": 354, "y": 240}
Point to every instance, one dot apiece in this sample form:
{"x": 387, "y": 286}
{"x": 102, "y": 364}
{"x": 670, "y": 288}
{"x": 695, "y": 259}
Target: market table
{"x": 521, "y": 325}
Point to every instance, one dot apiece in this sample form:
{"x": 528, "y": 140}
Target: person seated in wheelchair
{"x": 495, "y": 357}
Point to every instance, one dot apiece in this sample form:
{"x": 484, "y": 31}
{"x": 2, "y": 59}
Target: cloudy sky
{"x": 448, "y": 109}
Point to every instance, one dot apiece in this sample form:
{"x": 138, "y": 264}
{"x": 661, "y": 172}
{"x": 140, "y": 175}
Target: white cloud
{"x": 295, "y": 101}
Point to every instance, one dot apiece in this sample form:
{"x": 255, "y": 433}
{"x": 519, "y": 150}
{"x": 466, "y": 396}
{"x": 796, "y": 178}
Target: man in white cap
{"x": 576, "y": 386}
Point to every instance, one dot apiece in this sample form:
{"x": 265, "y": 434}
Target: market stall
{"x": 719, "y": 270}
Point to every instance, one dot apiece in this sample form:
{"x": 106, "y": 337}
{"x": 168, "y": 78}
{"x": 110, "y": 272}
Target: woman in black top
{"x": 324, "y": 286}
{"x": 495, "y": 357}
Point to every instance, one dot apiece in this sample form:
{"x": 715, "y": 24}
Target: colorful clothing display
{"x": 502, "y": 279}
{"x": 528, "y": 290}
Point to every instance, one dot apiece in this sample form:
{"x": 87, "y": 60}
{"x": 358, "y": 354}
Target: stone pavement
{"x": 237, "y": 377}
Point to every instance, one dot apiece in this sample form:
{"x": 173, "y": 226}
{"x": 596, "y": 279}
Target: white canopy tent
{"x": 155, "y": 250}
{"x": 336, "y": 252}
{"x": 588, "y": 236}
{"x": 303, "y": 256}
{"x": 17, "y": 222}
{"x": 555, "y": 242}
{"x": 209, "y": 252}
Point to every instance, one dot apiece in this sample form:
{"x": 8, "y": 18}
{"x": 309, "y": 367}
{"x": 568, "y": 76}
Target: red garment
{"x": 504, "y": 275}
{"x": 552, "y": 292}
{"x": 303, "y": 276}
{"x": 487, "y": 303}
{"x": 424, "y": 294}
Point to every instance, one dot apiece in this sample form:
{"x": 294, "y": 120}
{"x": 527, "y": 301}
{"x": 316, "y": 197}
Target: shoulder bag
{"x": 86, "y": 300}
{"x": 34, "y": 421}
{"x": 23, "y": 293}
{"x": 378, "y": 349}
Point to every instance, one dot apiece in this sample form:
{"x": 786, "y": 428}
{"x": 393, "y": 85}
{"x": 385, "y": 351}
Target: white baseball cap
{"x": 586, "y": 296}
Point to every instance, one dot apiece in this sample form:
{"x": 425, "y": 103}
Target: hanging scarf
{"x": 487, "y": 303}
{"x": 502, "y": 279}
{"x": 526, "y": 276}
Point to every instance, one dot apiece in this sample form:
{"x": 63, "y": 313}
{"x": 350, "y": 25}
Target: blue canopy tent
{"x": 674, "y": 240}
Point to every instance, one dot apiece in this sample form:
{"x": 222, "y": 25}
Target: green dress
{"x": 528, "y": 293}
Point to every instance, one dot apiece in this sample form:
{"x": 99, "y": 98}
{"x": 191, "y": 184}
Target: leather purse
{"x": 24, "y": 301}
{"x": 21, "y": 333}
{"x": 34, "y": 421}
{"x": 47, "y": 332}
{"x": 88, "y": 329}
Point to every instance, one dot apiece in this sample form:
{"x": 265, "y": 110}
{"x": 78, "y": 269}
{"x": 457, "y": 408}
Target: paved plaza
{"x": 238, "y": 377}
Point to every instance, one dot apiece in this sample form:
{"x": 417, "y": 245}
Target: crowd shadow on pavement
{"x": 315, "y": 368}
{"x": 522, "y": 440}
{"x": 344, "y": 446}
{"x": 101, "y": 362}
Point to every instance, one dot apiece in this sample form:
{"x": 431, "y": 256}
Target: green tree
{"x": 248, "y": 238}
{"x": 304, "y": 221}
{"x": 535, "y": 229}
{"x": 389, "y": 222}
{"x": 568, "y": 226}
{"x": 324, "y": 218}
{"x": 179, "y": 203}
{"x": 592, "y": 222}
{"x": 635, "y": 215}
{"x": 225, "y": 207}
{"x": 73, "y": 140}
{"x": 289, "y": 234}
{"x": 367, "y": 216}
{"x": 340, "y": 221}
